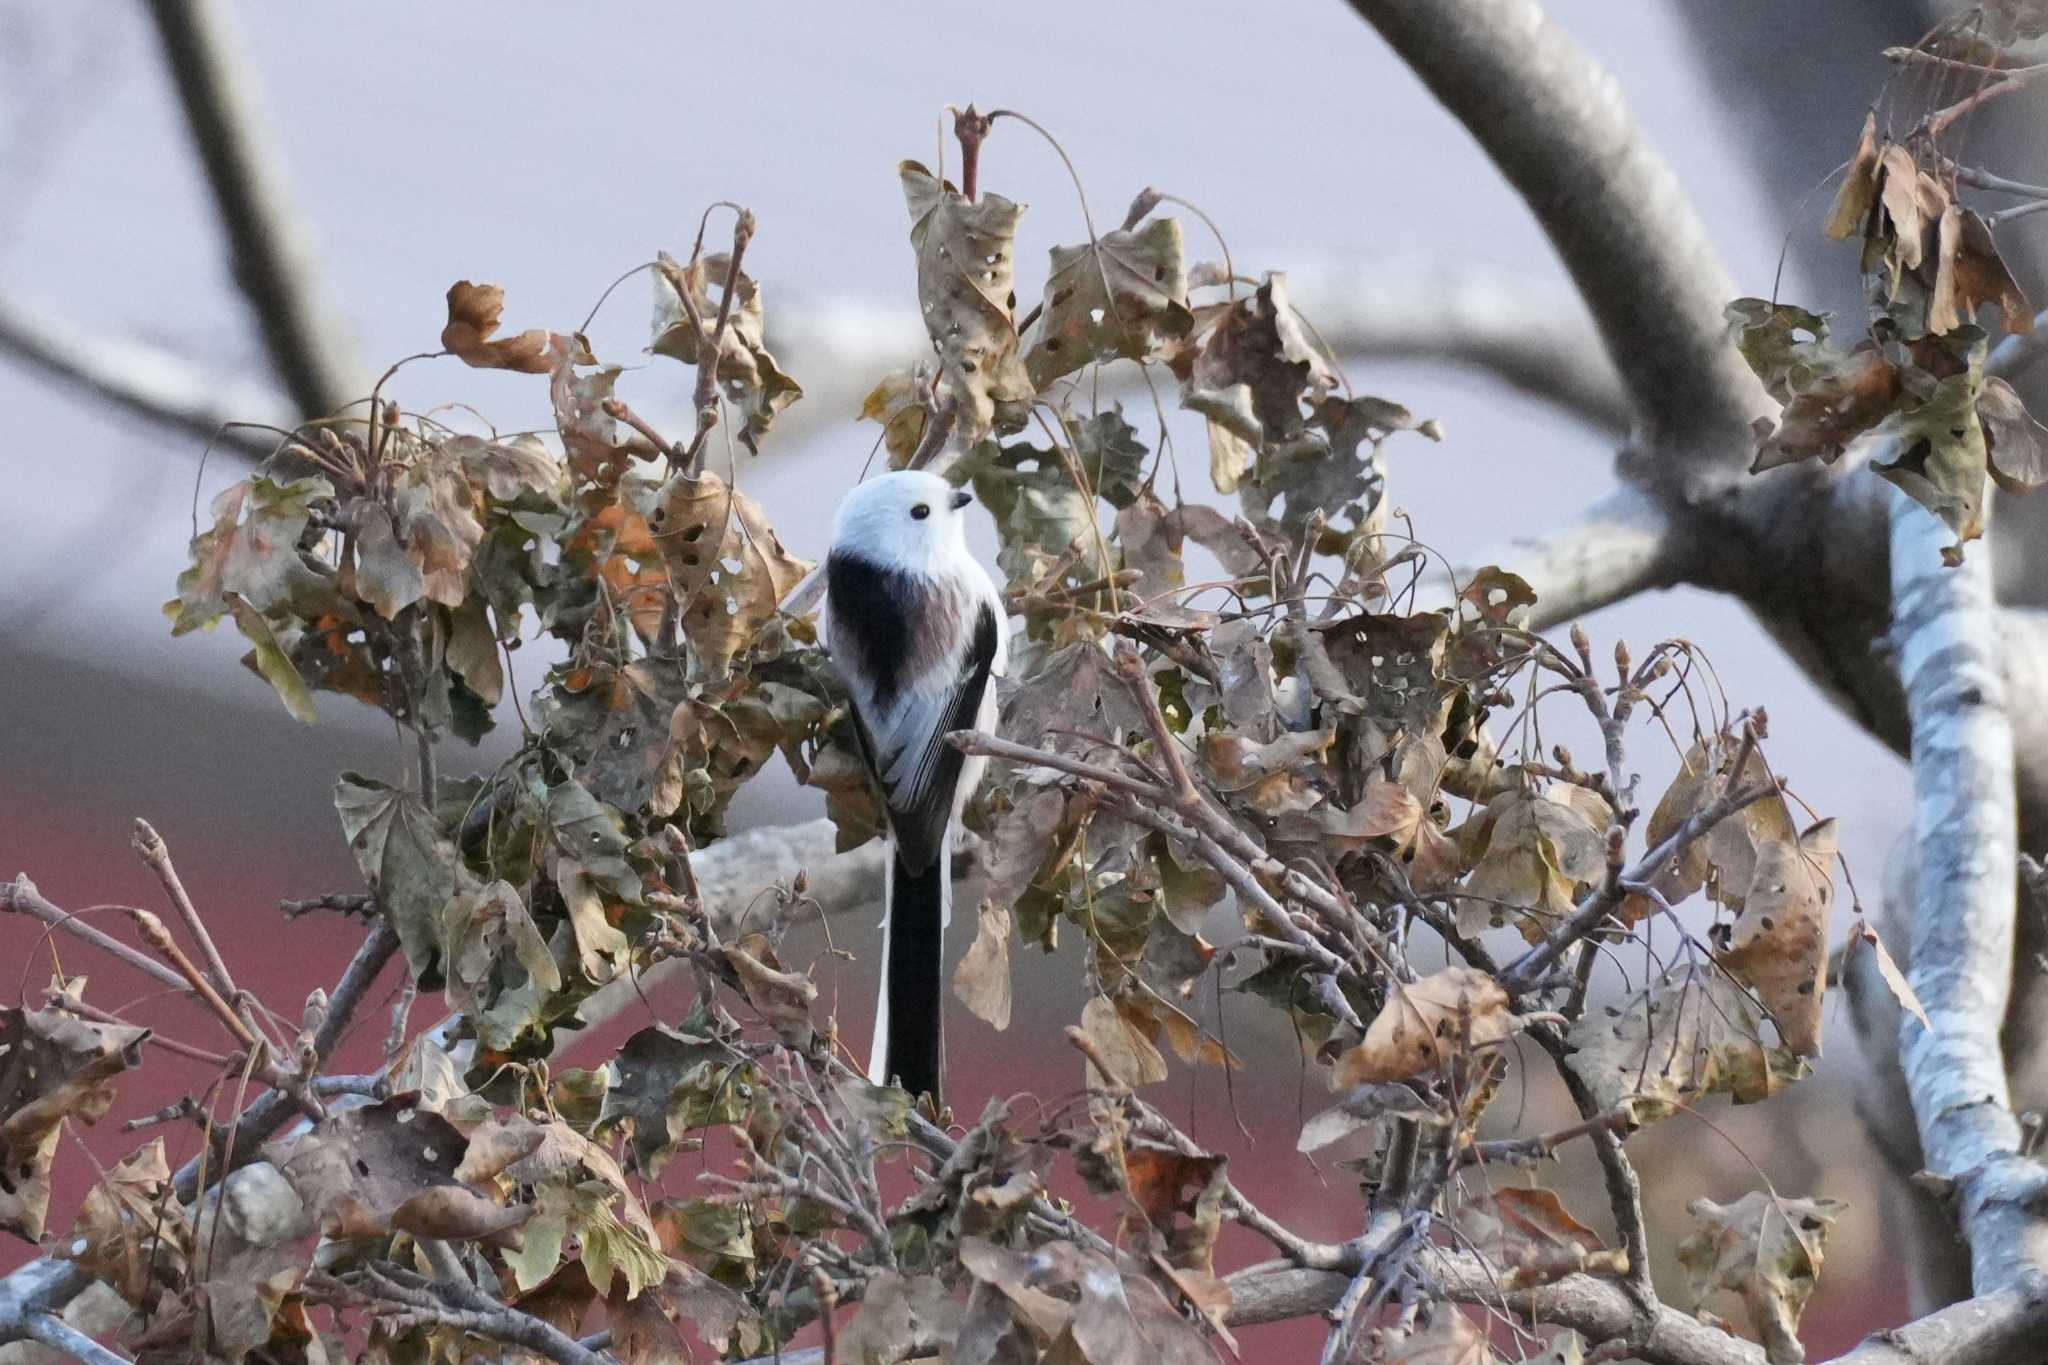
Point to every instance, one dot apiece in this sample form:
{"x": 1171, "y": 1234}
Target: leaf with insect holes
{"x": 1779, "y": 942}
{"x": 353, "y": 1170}
{"x": 1426, "y": 1026}
{"x": 1692, "y": 1033}
{"x": 132, "y": 1225}
{"x": 613, "y": 724}
{"x": 1530, "y": 1236}
{"x": 725, "y": 562}
{"x": 1122, "y": 295}
{"x": 497, "y": 964}
{"x": 1336, "y": 474}
{"x": 1830, "y": 396}
{"x": 1767, "y": 1249}
{"x": 783, "y": 997}
{"x": 1942, "y": 457}
{"x": 966, "y": 252}
{"x": 1039, "y": 510}
{"x": 53, "y": 1067}
{"x": 474, "y": 314}
{"x": 1255, "y": 368}
{"x": 747, "y": 373}
{"x": 668, "y": 1084}
{"x": 408, "y": 863}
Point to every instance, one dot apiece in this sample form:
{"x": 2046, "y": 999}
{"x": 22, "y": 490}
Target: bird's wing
{"x": 916, "y": 659}
{"x": 922, "y": 773}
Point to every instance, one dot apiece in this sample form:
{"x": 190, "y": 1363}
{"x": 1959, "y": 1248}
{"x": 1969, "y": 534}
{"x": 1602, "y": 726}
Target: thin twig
{"x": 149, "y": 845}
{"x": 20, "y": 895}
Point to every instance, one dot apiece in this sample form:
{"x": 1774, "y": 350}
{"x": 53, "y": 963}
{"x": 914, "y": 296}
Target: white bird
{"x": 916, "y": 630}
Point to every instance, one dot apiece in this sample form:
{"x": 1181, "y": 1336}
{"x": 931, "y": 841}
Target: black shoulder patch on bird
{"x": 861, "y": 590}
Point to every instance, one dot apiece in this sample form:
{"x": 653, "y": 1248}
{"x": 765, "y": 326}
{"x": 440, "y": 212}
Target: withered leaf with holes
{"x": 1120, "y": 296}
{"x": 1768, "y": 1250}
{"x": 356, "y": 1168}
{"x": 1943, "y": 458}
{"x": 965, "y": 257}
{"x": 668, "y": 1084}
{"x": 1691, "y": 1033}
{"x": 53, "y": 1067}
{"x": 1780, "y": 941}
{"x": 725, "y": 562}
{"x": 1255, "y": 369}
{"x": 1428, "y": 1025}
{"x": 747, "y": 372}
{"x": 494, "y": 952}
{"x": 1830, "y": 396}
{"x": 1179, "y": 1198}
{"x": 613, "y": 724}
{"x": 474, "y": 312}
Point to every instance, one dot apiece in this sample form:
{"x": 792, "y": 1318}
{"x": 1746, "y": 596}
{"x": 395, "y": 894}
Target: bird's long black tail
{"x": 909, "y": 1038}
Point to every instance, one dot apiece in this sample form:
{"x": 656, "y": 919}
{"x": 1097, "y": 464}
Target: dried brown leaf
{"x": 982, "y": 980}
{"x": 474, "y": 312}
{"x": 1766, "y": 1249}
{"x": 965, "y": 257}
{"x": 1428, "y": 1025}
{"x": 1780, "y": 940}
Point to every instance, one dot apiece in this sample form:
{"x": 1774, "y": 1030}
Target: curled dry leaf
{"x": 982, "y": 980}
{"x": 1894, "y": 978}
{"x": 1531, "y": 1237}
{"x": 474, "y": 312}
{"x": 747, "y": 372}
{"x": 1122, "y": 295}
{"x": 1692, "y": 1033}
{"x": 1255, "y": 368}
{"x": 451, "y": 1211}
{"x": 1779, "y": 943}
{"x": 1427, "y": 1026}
{"x": 1969, "y": 274}
{"x": 2015, "y": 445}
{"x": 1859, "y": 186}
{"x": 1124, "y": 1049}
{"x": 900, "y": 1318}
{"x": 1363, "y": 1106}
{"x": 498, "y": 966}
{"x": 53, "y": 1067}
{"x": 901, "y": 403}
{"x": 1766, "y": 1249}
{"x": 1180, "y": 1199}
{"x": 355, "y": 1169}
{"x": 1830, "y": 396}
{"x": 783, "y": 997}
{"x": 965, "y": 257}
{"x": 409, "y": 864}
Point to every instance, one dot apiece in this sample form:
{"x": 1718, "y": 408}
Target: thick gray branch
{"x": 272, "y": 259}
{"x": 1556, "y": 126}
{"x": 1963, "y": 927}
{"x": 149, "y": 382}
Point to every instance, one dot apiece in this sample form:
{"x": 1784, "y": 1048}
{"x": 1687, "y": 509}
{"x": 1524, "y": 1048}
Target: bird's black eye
{"x": 921, "y": 511}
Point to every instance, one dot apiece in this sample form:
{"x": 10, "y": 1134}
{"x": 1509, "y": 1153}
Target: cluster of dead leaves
{"x": 1931, "y": 265}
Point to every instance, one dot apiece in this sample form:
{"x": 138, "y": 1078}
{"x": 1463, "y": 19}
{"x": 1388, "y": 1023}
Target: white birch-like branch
{"x": 1966, "y": 828}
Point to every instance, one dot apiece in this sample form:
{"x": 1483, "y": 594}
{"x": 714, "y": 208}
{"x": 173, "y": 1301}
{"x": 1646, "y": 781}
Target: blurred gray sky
{"x": 549, "y": 148}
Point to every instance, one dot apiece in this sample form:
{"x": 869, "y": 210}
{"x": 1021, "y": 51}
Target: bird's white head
{"x": 908, "y": 519}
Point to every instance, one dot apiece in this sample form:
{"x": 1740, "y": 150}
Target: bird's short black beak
{"x": 961, "y": 499}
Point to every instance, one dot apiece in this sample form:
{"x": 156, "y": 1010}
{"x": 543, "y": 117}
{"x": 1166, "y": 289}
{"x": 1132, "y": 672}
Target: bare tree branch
{"x": 149, "y": 382}
{"x": 1963, "y": 926}
{"x": 1557, "y": 128}
{"x": 272, "y": 259}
